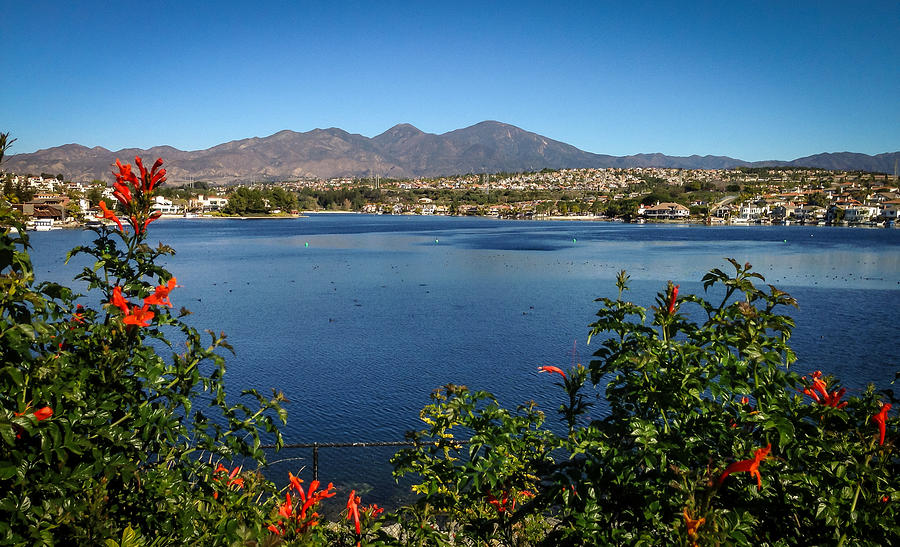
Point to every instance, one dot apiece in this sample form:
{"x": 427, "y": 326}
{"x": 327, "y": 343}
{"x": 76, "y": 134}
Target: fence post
{"x": 315, "y": 461}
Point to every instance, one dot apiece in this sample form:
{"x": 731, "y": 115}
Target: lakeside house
{"x": 667, "y": 211}
{"x": 890, "y": 210}
{"x": 164, "y": 206}
{"x": 207, "y": 203}
{"x": 45, "y": 206}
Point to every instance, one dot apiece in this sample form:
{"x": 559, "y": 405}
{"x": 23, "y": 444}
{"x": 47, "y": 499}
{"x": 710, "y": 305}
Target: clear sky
{"x": 751, "y": 80}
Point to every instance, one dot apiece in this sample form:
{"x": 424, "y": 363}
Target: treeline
{"x": 342, "y": 199}
{"x": 255, "y": 201}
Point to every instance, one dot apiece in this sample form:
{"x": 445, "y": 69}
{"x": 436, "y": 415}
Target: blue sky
{"x": 751, "y": 80}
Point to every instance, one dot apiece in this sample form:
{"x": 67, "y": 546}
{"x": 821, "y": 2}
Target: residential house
{"x": 164, "y": 206}
{"x": 671, "y": 211}
{"x": 46, "y": 206}
{"x": 208, "y": 203}
{"x": 890, "y": 210}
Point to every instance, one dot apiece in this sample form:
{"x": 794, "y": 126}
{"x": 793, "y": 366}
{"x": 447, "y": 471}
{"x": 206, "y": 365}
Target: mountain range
{"x": 402, "y": 151}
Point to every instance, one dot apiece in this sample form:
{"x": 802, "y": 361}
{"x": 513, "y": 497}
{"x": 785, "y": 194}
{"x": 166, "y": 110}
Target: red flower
{"x": 552, "y": 369}
{"x": 43, "y": 413}
{"x": 353, "y": 509}
{"x": 881, "y": 418}
{"x": 231, "y": 480}
{"x": 503, "y": 504}
{"x": 751, "y": 466}
{"x": 106, "y": 213}
{"x": 286, "y": 509}
{"x": 819, "y": 392}
{"x": 140, "y": 316}
{"x": 157, "y": 175}
{"x": 312, "y": 497}
{"x": 692, "y": 524}
{"x": 40, "y": 414}
{"x": 274, "y": 529}
{"x": 122, "y": 193}
{"x": 672, "y": 299}
{"x": 160, "y": 296}
{"x": 125, "y": 175}
{"x": 154, "y": 177}
{"x": 373, "y": 510}
{"x": 222, "y": 470}
{"x": 78, "y": 316}
{"x": 295, "y": 482}
{"x": 119, "y": 301}
{"x": 288, "y": 512}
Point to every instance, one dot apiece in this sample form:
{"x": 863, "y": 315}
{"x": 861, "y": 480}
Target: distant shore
{"x": 73, "y": 224}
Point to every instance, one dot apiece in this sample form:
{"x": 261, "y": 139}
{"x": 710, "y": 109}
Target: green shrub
{"x": 129, "y": 444}
{"x": 710, "y": 438}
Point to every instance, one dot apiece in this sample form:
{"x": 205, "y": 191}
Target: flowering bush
{"x": 692, "y": 408}
{"x": 99, "y": 431}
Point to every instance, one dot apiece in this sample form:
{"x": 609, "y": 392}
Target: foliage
{"x": 255, "y": 201}
{"x": 697, "y": 411}
{"x": 472, "y": 488}
{"x": 342, "y": 198}
{"x": 127, "y": 443}
{"x": 5, "y": 143}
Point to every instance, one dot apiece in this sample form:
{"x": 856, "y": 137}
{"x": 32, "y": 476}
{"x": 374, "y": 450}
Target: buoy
{"x": 574, "y": 240}
{"x": 435, "y": 241}
{"x": 307, "y": 243}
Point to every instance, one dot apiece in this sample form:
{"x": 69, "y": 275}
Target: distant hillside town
{"x": 745, "y": 195}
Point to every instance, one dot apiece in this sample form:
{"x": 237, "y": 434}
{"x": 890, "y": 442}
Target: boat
{"x": 192, "y": 215}
{"x": 91, "y": 224}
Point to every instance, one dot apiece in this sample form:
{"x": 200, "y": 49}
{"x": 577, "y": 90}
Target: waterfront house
{"x": 164, "y": 206}
{"x": 669, "y": 211}
{"x": 860, "y": 213}
{"x": 809, "y": 213}
{"x": 208, "y": 203}
{"x": 890, "y": 210}
{"x": 45, "y": 206}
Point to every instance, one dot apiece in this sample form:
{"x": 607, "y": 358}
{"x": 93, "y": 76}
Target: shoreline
{"x": 71, "y": 225}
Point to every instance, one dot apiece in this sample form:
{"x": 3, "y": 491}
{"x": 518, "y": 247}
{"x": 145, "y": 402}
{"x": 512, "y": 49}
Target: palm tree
{"x": 4, "y": 144}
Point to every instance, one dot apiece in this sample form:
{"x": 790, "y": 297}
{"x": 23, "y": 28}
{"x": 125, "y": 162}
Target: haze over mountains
{"x": 402, "y": 151}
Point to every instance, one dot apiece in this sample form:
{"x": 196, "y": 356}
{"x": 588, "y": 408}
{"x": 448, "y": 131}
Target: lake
{"x": 358, "y": 318}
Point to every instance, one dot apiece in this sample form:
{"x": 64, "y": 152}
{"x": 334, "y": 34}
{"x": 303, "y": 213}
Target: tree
{"x": 282, "y": 199}
{"x": 245, "y": 201}
{"x": 819, "y": 199}
{"x": 94, "y": 195}
{"x": 5, "y": 143}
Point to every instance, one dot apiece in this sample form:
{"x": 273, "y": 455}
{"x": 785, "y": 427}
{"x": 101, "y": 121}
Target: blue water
{"x": 360, "y": 325}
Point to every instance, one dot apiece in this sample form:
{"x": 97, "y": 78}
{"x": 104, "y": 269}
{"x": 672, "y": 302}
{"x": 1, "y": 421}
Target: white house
{"x": 665, "y": 210}
{"x": 890, "y": 210}
{"x": 753, "y": 210}
{"x": 860, "y": 213}
{"x": 209, "y": 203}
{"x": 164, "y": 206}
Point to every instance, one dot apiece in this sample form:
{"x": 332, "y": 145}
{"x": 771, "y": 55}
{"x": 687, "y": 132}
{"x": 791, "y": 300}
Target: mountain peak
{"x": 401, "y": 131}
